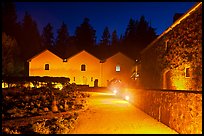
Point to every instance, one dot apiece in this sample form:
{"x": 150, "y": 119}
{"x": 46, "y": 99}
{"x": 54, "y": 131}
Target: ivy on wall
{"x": 184, "y": 47}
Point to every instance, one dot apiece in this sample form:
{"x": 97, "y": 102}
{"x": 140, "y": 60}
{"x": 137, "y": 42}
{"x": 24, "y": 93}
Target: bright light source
{"x": 115, "y": 91}
{"x": 127, "y": 97}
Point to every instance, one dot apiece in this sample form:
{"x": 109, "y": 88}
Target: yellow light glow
{"x": 59, "y": 86}
{"x": 127, "y": 97}
{"x": 179, "y": 84}
{"x": 4, "y": 85}
{"x": 115, "y": 91}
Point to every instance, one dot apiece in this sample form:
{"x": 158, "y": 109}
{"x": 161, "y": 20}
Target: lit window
{"x": 83, "y": 67}
{"x": 187, "y": 72}
{"x": 64, "y": 60}
{"x": 117, "y": 68}
{"x": 46, "y": 66}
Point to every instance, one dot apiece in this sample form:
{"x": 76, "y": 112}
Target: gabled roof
{"x": 80, "y": 52}
{"x": 43, "y": 52}
{"x": 56, "y": 53}
{"x": 184, "y": 16}
{"x": 118, "y": 53}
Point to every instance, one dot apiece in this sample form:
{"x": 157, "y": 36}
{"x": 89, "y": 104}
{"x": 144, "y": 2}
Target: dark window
{"x": 74, "y": 78}
{"x": 91, "y": 79}
{"x": 83, "y": 67}
{"x": 46, "y": 66}
{"x": 187, "y": 72}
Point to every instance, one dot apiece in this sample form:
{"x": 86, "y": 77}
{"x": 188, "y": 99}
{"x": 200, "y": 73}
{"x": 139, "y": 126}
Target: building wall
{"x": 57, "y": 68}
{"x": 84, "y": 77}
{"x": 95, "y": 70}
{"x": 175, "y": 51}
{"x": 109, "y": 68}
{"x": 180, "y": 110}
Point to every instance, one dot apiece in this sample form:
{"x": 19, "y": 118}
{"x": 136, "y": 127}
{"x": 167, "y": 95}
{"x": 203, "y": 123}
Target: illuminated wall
{"x": 177, "y": 48}
{"x": 180, "y": 110}
{"x": 109, "y": 68}
{"x": 92, "y": 69}
{"x": 57, "y": 68}
{"x": 71, "y": 68}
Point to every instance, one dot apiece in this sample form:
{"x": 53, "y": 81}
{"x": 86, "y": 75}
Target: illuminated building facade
{"x": 174, "y": 60}
{"x": 82, "y": 68}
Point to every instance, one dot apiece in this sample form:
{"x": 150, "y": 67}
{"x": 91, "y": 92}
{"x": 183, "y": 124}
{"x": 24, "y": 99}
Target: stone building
{"x": 174, "y": 60}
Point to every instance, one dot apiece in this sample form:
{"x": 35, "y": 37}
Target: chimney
{"x": 177, "y": 16}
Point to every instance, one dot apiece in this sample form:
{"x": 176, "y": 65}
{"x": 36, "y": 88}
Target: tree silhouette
{"x": 11, "y": 66}
{"x": 30, "y": 41}
{"x": 114, "y": 39}
{"x": 62, "y": 40}
{"x": 47, "y": 37}
{"x": 105, "y": 39}
{"x": 9, "y": 18}
{"x": 137, "y": 36}
{"x": 85, "y": 35}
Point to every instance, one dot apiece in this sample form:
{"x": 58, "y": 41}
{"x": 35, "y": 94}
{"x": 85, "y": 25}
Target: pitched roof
{"x": 70, "y": 56}
{"x": 118, "y": 53}
{"x": 58, "y": 54}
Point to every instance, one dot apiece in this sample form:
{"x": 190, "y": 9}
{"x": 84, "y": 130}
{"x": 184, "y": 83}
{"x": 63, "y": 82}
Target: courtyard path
{"x": 107, "y": 114}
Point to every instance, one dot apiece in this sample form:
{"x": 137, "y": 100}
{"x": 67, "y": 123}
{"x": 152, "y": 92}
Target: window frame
{"x": 83, "y": 67}
{"x": 47, "y": 67}
{"x": 117, "y": 68}
{"x": 187, "y": 72}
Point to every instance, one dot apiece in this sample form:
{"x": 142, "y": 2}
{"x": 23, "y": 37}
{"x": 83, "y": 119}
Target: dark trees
{"x": 137, "y": 36}
{"x": 11, "y": 65}
{"x": 85, "y": 35}
{"x": 62, "y": 41}
{"x": 9, "y": 18}
{"x": 30, "y": 41}
{"x": 114, "y": 39}
{"x": 105, "y": 39}
{"x": 47, "y": 36}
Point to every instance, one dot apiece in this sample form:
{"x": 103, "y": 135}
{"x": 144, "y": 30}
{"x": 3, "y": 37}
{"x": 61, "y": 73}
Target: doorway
{"x": 96, "y": 83}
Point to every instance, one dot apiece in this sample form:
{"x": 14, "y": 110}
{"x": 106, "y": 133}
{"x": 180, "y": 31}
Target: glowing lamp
{"x": 115, "y": 91}
{"x": 127, "y": 97}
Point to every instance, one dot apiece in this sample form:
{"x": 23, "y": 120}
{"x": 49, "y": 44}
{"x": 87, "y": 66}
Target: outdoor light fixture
{"x": 115, "y": 91}
{"x": 127, "y": 97}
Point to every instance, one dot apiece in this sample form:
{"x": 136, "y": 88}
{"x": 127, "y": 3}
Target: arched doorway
{"x": 166, "y": 79}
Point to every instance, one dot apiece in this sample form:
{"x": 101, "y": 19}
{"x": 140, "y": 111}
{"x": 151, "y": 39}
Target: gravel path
{"x": 107, "y": 114}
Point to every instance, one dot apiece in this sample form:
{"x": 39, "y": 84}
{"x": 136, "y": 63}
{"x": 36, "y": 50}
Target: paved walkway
{"x": 107, "y": 114}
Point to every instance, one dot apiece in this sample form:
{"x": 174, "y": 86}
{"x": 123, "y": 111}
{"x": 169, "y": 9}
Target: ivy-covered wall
{"x": 178, "y": 49}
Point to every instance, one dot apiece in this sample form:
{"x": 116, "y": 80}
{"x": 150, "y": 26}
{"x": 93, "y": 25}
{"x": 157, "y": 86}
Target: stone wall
{"x": 180, "y": 110}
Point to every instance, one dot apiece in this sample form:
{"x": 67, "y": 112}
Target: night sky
{"x": 115, "y": 15}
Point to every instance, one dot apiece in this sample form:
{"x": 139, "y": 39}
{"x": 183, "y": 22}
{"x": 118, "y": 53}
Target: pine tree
{"x": 105, "y": 39}
{"x": 85, "y": 35}
{"x": 47, "y": 36}
{"x": 62, "y": 40}
{"x": 114, "y": 38}
{"x": 30, "y": 40}
{"x": 9, "y": 18}
{"x": 137, "y": 36}
{"x": 10, "y": 53}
